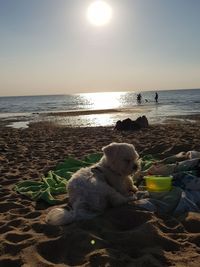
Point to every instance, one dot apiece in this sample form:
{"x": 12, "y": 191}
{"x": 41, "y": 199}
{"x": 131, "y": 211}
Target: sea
{"x": 19, "y": 111}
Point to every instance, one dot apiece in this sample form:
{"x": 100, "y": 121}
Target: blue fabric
{"x": 187, "y": 180}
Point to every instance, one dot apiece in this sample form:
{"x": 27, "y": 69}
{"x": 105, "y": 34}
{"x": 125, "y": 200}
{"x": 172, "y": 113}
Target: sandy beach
{"x": 123, "y": 236}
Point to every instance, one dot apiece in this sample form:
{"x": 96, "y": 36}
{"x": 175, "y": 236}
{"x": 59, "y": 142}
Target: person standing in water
{"x": 156, "y": 97}
{"x": 139, "y": 97}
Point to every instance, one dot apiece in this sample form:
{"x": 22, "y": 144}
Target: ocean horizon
{"x": 114, "y": 106}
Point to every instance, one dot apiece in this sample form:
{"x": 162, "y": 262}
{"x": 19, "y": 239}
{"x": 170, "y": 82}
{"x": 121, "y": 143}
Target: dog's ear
{"x": 110, "y": 150}
{"x": 136, "y": 154}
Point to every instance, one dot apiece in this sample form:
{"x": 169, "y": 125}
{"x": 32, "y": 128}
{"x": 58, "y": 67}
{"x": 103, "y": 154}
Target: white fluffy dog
{"x": 91, "y": 190}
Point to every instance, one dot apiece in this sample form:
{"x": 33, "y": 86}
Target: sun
{"x": 99, "y": 13}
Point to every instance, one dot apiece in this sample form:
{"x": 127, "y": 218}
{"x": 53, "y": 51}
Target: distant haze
{"x": 49, "y": 47}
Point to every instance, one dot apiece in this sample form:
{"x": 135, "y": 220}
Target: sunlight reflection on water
{"x": 104, "y": 100}
{"x": 111, "y": 107}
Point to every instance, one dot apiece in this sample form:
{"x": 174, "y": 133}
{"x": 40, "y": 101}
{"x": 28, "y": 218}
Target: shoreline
{"x": 93, "y": 118}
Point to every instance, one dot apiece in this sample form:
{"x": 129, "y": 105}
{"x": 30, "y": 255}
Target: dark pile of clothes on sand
{"x": 129, "y": 125}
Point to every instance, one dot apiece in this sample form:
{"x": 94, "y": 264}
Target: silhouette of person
{"x": 156, "y": 97}
{"x": 139, "y": 97}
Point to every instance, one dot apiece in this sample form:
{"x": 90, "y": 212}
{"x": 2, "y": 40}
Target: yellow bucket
{"x": 158, "y": 183}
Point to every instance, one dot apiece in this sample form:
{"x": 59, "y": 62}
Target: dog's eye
{"x": 127, "y": 161}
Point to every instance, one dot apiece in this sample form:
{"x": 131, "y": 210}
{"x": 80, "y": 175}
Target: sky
{"x": 50, "y": 47}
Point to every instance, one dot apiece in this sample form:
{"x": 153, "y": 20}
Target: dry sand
{"x": 122, "y": 236}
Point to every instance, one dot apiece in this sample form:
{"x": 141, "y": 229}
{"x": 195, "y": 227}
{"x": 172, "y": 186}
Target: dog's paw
{"x": 134, "y": 189}
{"x": 132, "y": 198}
{"x": 142, "y": 194}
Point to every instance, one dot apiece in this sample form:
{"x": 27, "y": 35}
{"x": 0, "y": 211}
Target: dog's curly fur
{"x": 91, "y": 190}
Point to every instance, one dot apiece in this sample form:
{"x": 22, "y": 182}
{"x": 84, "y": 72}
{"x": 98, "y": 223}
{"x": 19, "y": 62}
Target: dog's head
{"x": 121, "y": 158}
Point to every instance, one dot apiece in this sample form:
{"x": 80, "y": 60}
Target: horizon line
{"x": 99, "y": 92}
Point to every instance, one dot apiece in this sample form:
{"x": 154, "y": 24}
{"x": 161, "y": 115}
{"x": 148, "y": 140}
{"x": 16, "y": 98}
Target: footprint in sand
{"x": 13, "y": 249}
{"x": 6, "y": 182}
{"x": 5, "y": 228}
{"x": 5, "y": 192}
{"x": 20, "y": 211}
{"x": 33, "y": 215}
{"x": 48, "y": 230}
{"x": 16, "y": 223}
{"x": 10, "y": 262}
{"x": 16, "y": 237}
{"x": 7, "y": 206}
{"x": 6, "y": 197}
{"x": 75, "y": 245}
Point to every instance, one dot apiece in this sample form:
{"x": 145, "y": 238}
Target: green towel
{"x": 55, "y": 182}
{"x": 147, "y": 161}
{"x": 50, "y": 185}
{"x": 71, "y": 165}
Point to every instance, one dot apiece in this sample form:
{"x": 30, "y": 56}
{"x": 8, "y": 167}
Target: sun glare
{"x": 99, "y": 13}
{"x": 101, "y": 101}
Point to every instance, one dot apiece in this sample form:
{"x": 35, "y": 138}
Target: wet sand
{"x": 95, "y": 111}
{"x": 122, "y": 236}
